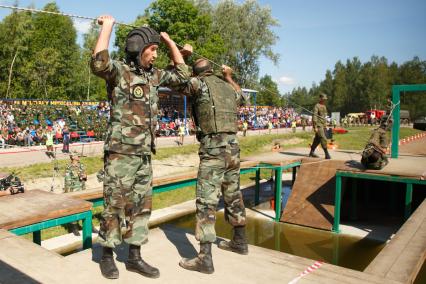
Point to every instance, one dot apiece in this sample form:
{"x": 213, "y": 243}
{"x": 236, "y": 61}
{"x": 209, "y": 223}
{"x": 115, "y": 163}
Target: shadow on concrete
{"x": 10, "y": 275}
{"x": 178, "y": 237}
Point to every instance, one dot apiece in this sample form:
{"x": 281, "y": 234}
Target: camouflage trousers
{"x": 219, "y": 173}
{"x": 320, "y": 138}
{"x": 127, "y": 199}
{"x": 377, "y": 165}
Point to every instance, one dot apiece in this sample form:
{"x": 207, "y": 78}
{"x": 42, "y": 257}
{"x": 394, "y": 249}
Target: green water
{"x": 346, "y": 251}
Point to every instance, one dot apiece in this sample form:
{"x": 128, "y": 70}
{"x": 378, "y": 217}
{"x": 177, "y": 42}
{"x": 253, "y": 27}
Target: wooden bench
{"x": 402, "y": 258}
{"x": 36, "y": 210}
{"x": 162, "y": 184}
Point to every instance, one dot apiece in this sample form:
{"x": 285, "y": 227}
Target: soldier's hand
{"x": 226, "y": 71}
{"x": 166, "y": 38}
{"x": 186, "y": 50}
{"x": 106, "y": 20}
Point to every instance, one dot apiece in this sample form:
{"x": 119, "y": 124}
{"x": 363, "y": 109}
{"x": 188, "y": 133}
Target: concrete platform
{"x": 168, "y": 245}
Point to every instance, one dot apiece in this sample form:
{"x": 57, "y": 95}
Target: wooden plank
{"x": 403, "y": 256}
{"x": 311, "y": 202}
{"x": 36, "y": 206}
{"x": 404, "y": 166}
{"x": 279, "y": 161}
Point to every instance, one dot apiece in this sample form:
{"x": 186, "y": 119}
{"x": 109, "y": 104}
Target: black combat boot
{"x": 108, "y": 268}
{"x": 238, "y": 243}
{"x": 75, "y": 229}
{"x": 327, "y": 155}
{"x": 203, "y": 262}
{"x": 135, "y": 263}
{"x": 312, "y": 153}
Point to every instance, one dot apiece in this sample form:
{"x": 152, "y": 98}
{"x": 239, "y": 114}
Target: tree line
{"x": 40, "y": 57}
{"x": 356, "y": 87}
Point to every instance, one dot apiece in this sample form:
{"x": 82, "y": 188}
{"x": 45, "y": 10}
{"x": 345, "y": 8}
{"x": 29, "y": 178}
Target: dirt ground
{"x": 165, "y": 167}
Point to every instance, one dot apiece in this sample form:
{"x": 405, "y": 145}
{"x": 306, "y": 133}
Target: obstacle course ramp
{"x": 311, "y": 202}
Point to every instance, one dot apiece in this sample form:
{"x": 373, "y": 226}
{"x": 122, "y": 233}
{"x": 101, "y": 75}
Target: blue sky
{"x": 313, "y": 34}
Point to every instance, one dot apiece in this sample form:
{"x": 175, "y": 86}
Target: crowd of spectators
{"x": 27, "y": 124}
{"x": 266, "y": 116}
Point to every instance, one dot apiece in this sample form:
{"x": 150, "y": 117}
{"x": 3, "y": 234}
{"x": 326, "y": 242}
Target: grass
{"x": 357, "y": 137}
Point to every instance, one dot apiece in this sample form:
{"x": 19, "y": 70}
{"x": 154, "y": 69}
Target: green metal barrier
{"x": 338, "y": 193}
{"x": 35, "y": 228}
{"x": 396, "y": 96}
{"x": 189, "y": 182}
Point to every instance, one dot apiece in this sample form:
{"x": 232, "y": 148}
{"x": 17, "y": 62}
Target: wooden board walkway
{"x": 402, "y": 258}
{"x": 311, "y": 202}
{"x": 23, "y": 262}
{"x": 37, "y": 206}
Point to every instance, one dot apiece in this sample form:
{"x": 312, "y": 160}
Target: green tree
{"x": 15, "y": 33}
{"x": 246, "y": 30}
{"x": 268, "y": 92}
{"x": 58, "y": 33}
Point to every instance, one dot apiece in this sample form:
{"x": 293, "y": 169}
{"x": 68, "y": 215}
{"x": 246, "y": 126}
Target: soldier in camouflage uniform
{"x": 75, "y": 175}
{"x": 75, "y": 180}
{"x": 374, "y": 155}
{"x": 319, "y": 126}
{"x": 132, "y": 88}
{"x": 215, "y": 104}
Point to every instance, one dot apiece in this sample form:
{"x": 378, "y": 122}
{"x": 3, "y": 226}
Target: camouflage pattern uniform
{"x": 319, "y": 123}
{"x": 377, "y": 144}
{"x": 74, "y": 180}
{"x": 219, "y": 170}
{"x": 133, "y": 96}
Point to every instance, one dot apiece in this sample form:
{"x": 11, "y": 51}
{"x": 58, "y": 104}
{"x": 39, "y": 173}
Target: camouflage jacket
{"x": 133, "y": 96}
{"x": 74, "y": 178}
{"x": 198, "y": 91}
{"x": 378, "y": 139}
{"x": 319, "y": 115}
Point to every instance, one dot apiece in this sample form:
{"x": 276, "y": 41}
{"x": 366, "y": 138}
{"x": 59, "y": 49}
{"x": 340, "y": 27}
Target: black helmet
{"x": 137, "y": 40}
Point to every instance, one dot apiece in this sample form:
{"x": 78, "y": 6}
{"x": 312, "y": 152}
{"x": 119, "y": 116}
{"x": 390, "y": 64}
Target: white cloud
{"x": 285, "y": 80}
{"x": 82, "y": 26}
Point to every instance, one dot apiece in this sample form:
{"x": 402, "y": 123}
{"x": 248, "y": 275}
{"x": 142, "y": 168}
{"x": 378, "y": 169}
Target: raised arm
{"x": 227, "y": 75}
{"x": 107, "y": 23}
{"x": 175, "y": 54}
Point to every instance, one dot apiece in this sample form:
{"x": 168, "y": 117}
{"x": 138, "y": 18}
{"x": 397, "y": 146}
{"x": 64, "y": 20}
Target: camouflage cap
{"x": 74, "y": 155}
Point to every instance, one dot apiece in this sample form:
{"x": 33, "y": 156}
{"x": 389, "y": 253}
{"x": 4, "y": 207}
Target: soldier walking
{"x": 319, "y": 124}
{"x": 132, "y": 88}
{"x": 215, "y": 112}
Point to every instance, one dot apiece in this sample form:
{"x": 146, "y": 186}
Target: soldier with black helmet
{"x": 132, "y": 88}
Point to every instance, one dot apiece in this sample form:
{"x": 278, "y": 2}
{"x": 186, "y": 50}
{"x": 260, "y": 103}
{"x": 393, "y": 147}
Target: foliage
{"x": 357, "y": 87}
{"x": 268, "y": 94}
{"x": 247, "y": 35}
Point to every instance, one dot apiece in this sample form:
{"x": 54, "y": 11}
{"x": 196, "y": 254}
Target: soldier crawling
{"x": 132, "y": 88}
{"x": 374, "y": 155}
